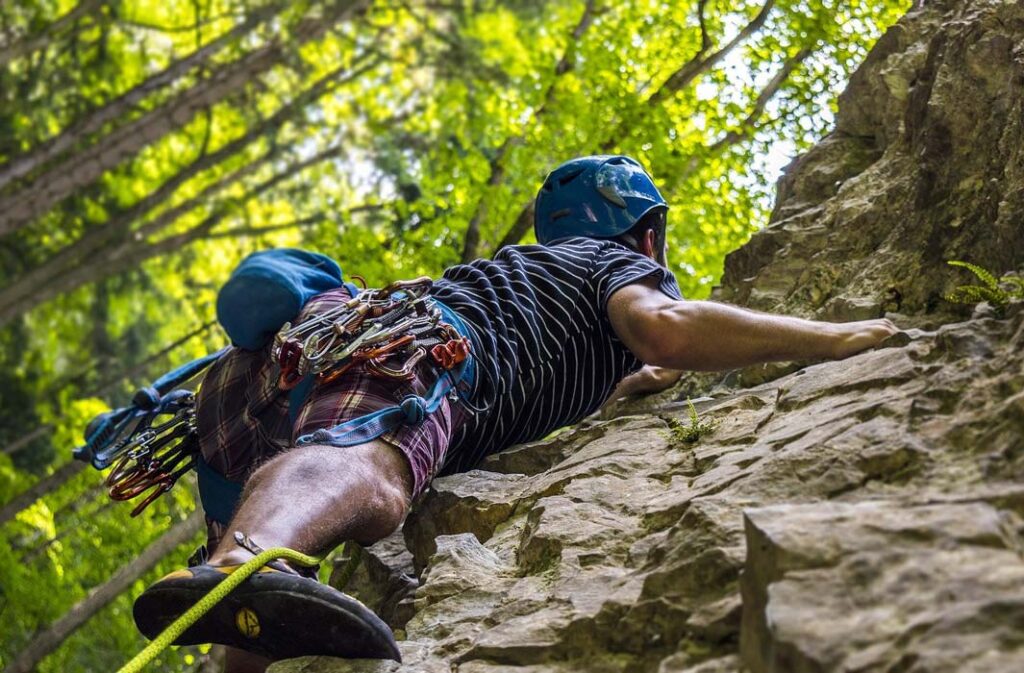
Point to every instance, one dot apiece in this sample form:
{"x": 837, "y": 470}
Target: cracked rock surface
{"x": 862, "y": 515}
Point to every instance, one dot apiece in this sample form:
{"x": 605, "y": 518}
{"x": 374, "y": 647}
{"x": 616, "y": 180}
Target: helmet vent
{"x": 566, "y": 179}
{"x": 560, "y": 213}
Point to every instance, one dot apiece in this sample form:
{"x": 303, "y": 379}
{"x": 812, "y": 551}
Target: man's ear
{"x": 647, "y": 245}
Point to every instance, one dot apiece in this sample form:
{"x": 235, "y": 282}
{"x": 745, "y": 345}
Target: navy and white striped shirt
{"x": 546, "y": 352}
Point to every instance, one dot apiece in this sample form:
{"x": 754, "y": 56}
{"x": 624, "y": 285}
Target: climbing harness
{"x": 153, "y": 442}
{"x": 207, "y": 602}
{"x": 389, "y": 331}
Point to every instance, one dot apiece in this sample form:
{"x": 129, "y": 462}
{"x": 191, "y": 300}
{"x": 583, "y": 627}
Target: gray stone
{"x": 882, "y": 586}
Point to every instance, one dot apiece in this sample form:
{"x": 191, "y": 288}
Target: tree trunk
{"x": 49, "y": 639}
{"x": 25, "y": 440}
{"x": 30, "y": 555}
{"x": 44, "y": 37}
{"x": 84, "y": 168}
{"x": 471, "y": 241}
{"x": 519, "y": 228}
{"x": 50, "y": 278}
{"x": 125, "y": 103}
{"x": 131, "y": 254}
{"x": 46, "y": 485}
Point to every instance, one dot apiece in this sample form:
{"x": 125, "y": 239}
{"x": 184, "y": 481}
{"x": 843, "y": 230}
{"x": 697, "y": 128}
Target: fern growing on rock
{"x": 693, "y": 431}
{"x": 998, "y": 292}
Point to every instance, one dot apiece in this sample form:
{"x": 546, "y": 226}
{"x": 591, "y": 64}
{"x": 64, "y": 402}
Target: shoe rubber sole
{"x": 274, "y": 614}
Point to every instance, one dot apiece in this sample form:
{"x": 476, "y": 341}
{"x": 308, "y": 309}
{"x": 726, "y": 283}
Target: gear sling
{"x": 153, "y": 441}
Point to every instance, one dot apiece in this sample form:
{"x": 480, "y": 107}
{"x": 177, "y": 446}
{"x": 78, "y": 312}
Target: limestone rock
{"x": 926, "y": 164}
{"x": 883, "y": 585}
{"x": 381, "y": 576}
{"x": 862, "y": 515}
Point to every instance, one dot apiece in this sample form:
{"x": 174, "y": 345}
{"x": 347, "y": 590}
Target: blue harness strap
{"x": 412, "y": 410}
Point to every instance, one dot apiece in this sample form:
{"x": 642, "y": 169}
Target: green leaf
{"x": 983, "y": 275}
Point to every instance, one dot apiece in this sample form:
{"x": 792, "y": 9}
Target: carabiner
{"x": 404, "y": 373}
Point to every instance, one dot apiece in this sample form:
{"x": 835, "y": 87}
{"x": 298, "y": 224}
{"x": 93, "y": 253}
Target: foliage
{"x": 998, "y": 292}
{"x": 695, "y": 429}
{"x": 145, "y": 147}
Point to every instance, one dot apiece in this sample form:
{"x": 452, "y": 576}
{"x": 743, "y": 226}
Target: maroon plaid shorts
{"x": 243, "y": 417}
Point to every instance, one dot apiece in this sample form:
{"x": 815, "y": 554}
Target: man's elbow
{"x": 665, "y": 343}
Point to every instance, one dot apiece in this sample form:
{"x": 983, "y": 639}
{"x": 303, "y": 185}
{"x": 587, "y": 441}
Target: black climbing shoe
{"x": 276, "y": 614}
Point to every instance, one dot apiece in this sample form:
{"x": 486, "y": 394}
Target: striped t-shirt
{"x": 546, "y": 352}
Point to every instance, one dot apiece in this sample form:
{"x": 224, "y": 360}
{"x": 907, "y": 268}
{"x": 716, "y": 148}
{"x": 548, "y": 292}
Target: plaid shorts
{"x": 243, "y": 418}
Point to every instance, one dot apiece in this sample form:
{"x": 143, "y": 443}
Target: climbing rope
{"x": 206, "y": 603}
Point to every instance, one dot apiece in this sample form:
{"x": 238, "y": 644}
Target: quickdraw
{"x": 150, "y": 448}
{"x": 391, "y": 330}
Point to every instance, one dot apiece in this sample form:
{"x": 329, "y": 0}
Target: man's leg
{"x": 313, "y": 498}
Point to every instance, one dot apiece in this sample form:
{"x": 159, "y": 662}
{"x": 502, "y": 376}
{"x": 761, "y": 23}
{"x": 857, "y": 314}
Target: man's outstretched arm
{"x": 708, "y": 336}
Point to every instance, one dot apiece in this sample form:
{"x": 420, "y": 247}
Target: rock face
{"x": 863, "y": 515}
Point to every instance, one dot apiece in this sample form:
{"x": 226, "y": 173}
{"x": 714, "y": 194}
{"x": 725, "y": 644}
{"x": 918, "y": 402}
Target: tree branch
{"x": 294, "y": 224}
{"x": 123, "y": 104}
{"x": 705, "y": 38}
{"x": 139, "y": 368}
{"x": 26, "y": 439}
{"x": 85, "y": 167}
{"x": 30, "y": 555}
{"x": 145, "y": 25}
{"x": 700, "y": 64}
{"x": 31, "y": 43}
{"x": 133, "y": 252}
{"x": 471, "y": 240}
{"x": 523, "y": 223}
{"x": 260, "y": 231}
{"x": 60, "y": 476}
{"x": 23, "y": 293}
{"x": 750, "y": 123}
{"x": 49, "y": 639}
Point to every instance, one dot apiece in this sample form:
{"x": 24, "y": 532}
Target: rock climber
{"x": 554, "y": 328}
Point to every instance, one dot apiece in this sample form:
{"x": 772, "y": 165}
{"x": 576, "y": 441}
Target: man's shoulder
{"x": 572, "y": 256}
{"x": 573, "y": 246}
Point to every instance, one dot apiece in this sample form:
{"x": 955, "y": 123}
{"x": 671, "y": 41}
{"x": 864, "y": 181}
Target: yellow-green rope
{"x": 204, "y": 604}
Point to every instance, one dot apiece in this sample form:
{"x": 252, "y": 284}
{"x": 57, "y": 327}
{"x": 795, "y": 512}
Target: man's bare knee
{"x": 387, "y": 485}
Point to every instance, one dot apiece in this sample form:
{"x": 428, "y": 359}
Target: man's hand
{"x": 855, "y": 337}
{"x": 647, "y": 380}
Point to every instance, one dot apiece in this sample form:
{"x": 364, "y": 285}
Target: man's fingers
{"x": 865, "y": 334}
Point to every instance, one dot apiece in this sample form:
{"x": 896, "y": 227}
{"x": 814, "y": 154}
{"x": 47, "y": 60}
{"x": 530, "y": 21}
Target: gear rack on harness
{"x": 397, "y": 322}
{"x": 154, "y": 442}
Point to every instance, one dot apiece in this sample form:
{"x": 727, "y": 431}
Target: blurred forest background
{"x": 146, "y": 146}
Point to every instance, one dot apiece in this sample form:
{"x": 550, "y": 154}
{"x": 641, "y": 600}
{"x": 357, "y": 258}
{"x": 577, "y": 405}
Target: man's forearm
{"x": 709, "y": 336}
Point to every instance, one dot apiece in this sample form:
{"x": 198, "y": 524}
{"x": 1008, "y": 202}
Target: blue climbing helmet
{"x": 598, "y": 196}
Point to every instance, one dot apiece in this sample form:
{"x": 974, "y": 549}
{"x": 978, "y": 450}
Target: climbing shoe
{"x": 274, "y": 613}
